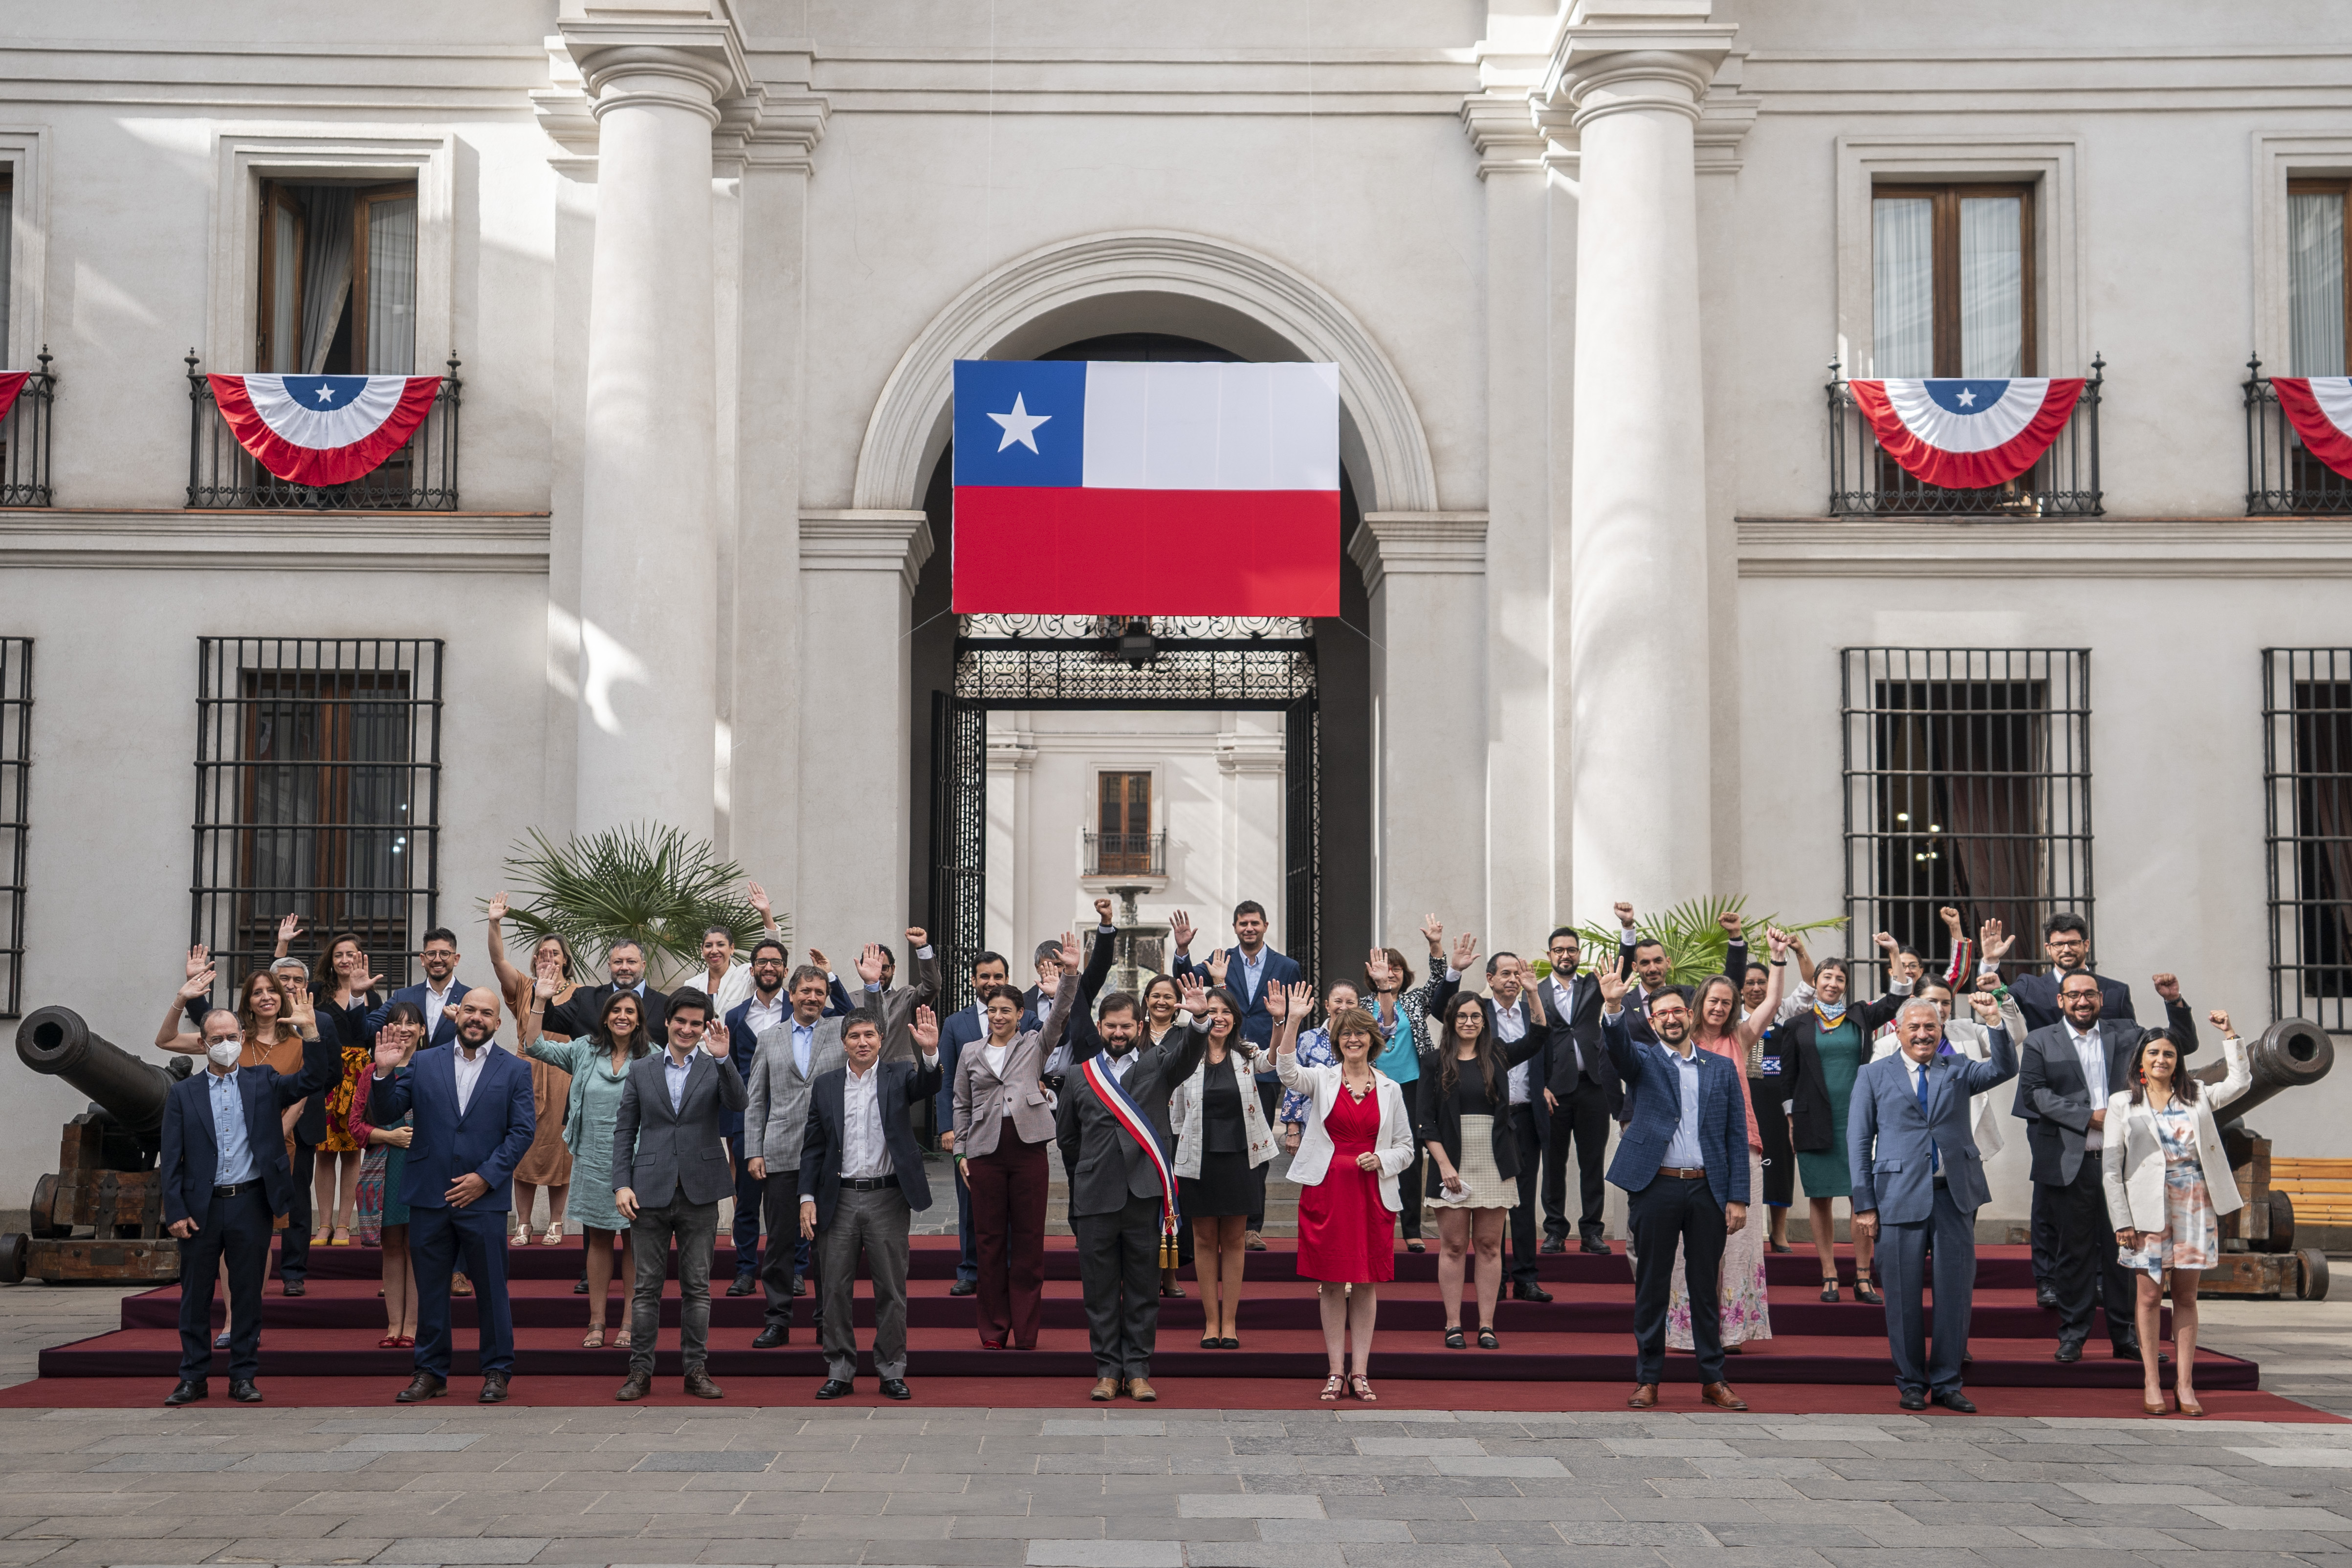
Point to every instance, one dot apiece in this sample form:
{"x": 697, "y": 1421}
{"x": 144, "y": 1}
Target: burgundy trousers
{"x": 1008, "y": 1221}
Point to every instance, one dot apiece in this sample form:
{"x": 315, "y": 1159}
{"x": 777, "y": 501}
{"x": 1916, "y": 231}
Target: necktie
{"x": 1934, "y": 1159}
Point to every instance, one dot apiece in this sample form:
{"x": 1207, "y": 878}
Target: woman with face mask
{"x": 379, "y": 1218}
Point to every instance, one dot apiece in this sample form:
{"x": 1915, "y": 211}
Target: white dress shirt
{"x": 2091, "y": 1052}
{"x": 674, "y": 1076}
{"x": 762, "y": 1016}
{"x": 864, "y": 1152}
{"x": 469, "y": 1072}
{"x": 434, "y": 1003}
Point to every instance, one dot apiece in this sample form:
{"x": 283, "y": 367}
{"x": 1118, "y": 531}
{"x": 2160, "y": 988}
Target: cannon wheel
{"x": 2311, "y": 1281}
{"x": 2282, "y": 1237}
{"x": 45, "y": 1208}
{"x": 12, "y": 1258}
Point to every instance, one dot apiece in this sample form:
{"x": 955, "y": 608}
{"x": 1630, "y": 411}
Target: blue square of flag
{"x": 1020, "y": 422}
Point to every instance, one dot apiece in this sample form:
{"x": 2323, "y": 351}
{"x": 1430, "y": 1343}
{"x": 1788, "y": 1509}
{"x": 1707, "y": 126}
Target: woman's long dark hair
{"x": 603, "y": 1034}
{"x": 2183, "y": 1086}
{"x": 330, "y": 983}
{"x": 407, "y": 1013}
{"x": 1449, "y": 1066}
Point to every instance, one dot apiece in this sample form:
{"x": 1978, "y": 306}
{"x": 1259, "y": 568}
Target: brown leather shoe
{"x": 1141, "y": 1390}
{"x": 637, "y": 1387}
{"x": 1645, "y": 1394}
{"x": 699, "y": 1384}
{"x": 1719, "y": 1395}
{"x": 1105, "y": 1389}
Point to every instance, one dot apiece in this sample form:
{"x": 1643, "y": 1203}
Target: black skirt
{"x": 1223, "y": 1190}
{"x": 1780, "y": 1160}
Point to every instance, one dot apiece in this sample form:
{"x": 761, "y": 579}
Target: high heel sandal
{"x": 389, "y": 1343}
{"x": 1361, "y": 1387}
{"x": 1333, "y": 1386}
{"x": 1454, "y": 1340}
{"x": 1829, "y": 1290}
{"x": 1865, "y": 1290}
{"x": 2187, "y": 1407}
{"x": 553, "y": 1236}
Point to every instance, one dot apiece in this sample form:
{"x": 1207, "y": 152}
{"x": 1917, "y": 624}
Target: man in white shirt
{"x": 1511, "y": 1013}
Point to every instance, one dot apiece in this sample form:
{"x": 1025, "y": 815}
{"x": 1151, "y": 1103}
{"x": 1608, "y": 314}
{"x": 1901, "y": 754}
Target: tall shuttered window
{"x": 2307, "y": 775}
{"x": 1952, "y": 280}
{"x": 1967, "y": 784}
{"x": 1123, "y": 821}
{"x": 338, "y": 280}
{"x": 2318, "y": 317}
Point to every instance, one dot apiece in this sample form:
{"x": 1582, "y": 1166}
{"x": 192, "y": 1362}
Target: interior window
{"x": 2317, "y": 276}
{"x": 1952, "y": 280}
{"x": 338, "y": 280}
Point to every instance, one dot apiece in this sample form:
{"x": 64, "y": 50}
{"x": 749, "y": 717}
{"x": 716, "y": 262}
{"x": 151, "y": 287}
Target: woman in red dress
{"x": 1358, "y": 1138}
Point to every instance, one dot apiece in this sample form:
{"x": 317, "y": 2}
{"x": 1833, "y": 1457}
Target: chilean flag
{"x": 2320, "y": 409}
{"x": 12, "y": 381}
{"x": 1968, "y": 434}
{"x": 323, "y": 429}
{"x": 1146, "y": 487}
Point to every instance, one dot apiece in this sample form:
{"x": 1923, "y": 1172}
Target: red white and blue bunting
{"x": 1966, "y": 434}
{"x": 323, "y": 429}
{"x": 2320, "y": 409}
{"x": 12, "y": 381}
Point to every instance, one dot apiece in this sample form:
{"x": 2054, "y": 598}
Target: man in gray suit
{"x": 802, "y": 1047}
{"x": 669, "y": 1171}
{"x": 1919, "y": 1176}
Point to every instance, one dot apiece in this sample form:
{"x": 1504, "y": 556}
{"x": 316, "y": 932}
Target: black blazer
{"x": 1637, "y": 1001}
{"x": 2037, "y": 998}
{"x": 1541, "y": 1078}
{"x": 903, "y": 1083}
{"x": 1812, "y": 1121}
{"x": 1436, "y": 1120}
{"x": 577, "y": 1017}
{"x": 1083, "y": 1038}
{"x": 192, "y": 1147}
{"x": 1106, "y": 1166}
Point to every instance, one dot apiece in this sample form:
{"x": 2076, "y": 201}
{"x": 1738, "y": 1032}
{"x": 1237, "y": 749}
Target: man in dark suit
{"x": 1511, "y": 1013}
{"x": 473, "y": 1121}
{"x": 1645, "y": 957}
{"x": 1683, "y": 1162}
{"x": 1918, "y": 1178}
{"x": 627, "y": 962}
{"x": 1251, "y": 966}
{"x": 963, "y": 1027}
{"x": 1117, "y": 1190}
{"x": 669, "y": 1171}
{"x": 224, "y": 1175}
{"x": 438, "y": 996}
{"x": 1581, "y": 1093}
{"x": 861, "y": 1179}
{"x": 765, "y": 1008}
{"x": 1080, "y": 1038}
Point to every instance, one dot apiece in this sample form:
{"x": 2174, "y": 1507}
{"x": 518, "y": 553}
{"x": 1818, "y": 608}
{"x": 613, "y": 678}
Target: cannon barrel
{"x": 55, "y": 1040}
{"x": 2290, "y": 1054}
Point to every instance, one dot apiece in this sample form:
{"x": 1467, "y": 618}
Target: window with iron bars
{"x": 318, "y": 796}
{"x": 1967, "y": 785}
{"x": 15, "y": 762}
{"x": 2307, "y": 831}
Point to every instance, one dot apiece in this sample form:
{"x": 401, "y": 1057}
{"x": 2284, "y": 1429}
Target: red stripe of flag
{"x": 1072, "y": 551}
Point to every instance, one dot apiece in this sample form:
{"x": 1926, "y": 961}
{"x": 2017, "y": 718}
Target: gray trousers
{"x": 695, "y": 1228}
{"x": 1902, "y": 1274}
{"x": 876, "y": 1223}
{"x": 1118, "y": 1270}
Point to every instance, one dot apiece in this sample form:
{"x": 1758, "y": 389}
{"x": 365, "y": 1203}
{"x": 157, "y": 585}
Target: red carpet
{"x": 1573, "y": 1353}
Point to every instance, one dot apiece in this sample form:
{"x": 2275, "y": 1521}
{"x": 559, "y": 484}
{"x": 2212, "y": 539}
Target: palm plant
{"x": 641, "y": 882}
{"x": 1692, "y": 933}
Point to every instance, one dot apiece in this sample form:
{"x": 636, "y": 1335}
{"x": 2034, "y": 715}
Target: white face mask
{"x": 223, "y": 1053}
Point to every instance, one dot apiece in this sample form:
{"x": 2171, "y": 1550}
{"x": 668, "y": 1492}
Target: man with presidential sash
{"x": 1112, "y": 1126}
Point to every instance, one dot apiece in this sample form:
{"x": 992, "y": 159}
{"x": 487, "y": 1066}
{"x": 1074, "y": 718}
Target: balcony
{"x": 421, "y": 477}
{"x": 1141, "y": 855}
{"x": 25, "y": 441}
{"x": 2283, "y": 479}
{"x": 1864, "y": 481}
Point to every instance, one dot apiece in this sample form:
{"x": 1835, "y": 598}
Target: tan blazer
{"x": 2132, "y": 1156}
{"x": 984, "y": 1098}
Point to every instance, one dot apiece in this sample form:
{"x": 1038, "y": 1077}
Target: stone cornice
{"x": 1619, "y": 55}
{"x": 240, "y": 540}
{"x": 1503, "y": 130}
{"x": 1416, "y": 543}
{"x": 865, "y": 540}
{"x": 2277, "y": 549}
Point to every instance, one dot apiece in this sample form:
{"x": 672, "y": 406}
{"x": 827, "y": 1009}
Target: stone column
{"x": 1632, "y": 73}
{"x": 648, "y": 558}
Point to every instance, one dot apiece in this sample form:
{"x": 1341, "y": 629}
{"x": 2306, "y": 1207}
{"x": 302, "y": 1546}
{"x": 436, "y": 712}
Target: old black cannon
{"x": 2259, "y": 1254}
{"x": 101, "y": 1215}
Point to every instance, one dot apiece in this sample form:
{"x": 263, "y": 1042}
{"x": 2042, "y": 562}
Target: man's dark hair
{"x": 1754, "y": 967}
{"x": 2065, "y": 921}
{"x": 1641, "y": 942}
{"x": 1249, "y": 907}
{"x": 624, "y": 941}
{"x": 1049, "y": 948}
{"x": 1558, "y": 931}
{"x": 2080, "y": 974}
{"x": 806, "y": 972}
{"x": 863, "y": 1018}
{"x": 764, "y": 943}
{"x": 1904, "y": 950}
{"x": 686, "y": 999}
{"x": 1119, "y": 1002}
{"x": 438, "y": 933}
{"x": 984, "y": 956}
{"x": 1496, "y": 959}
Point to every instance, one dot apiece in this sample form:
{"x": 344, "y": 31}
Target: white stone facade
{"x": 1582, "y": 266}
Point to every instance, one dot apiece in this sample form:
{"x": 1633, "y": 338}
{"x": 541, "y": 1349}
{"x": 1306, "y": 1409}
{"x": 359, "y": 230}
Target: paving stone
{"x": 1249, "y": 1505}
{"x": 1343, "y": 1531}
{"x": 1105, "y": 1554}
{"x": 2300, "y": 1457}
{"x": 407, "y": 1443}
{"x": 2234, "y": 1518}
{"x": 1246, "y": 1554}
{"x": 723, "y": 1459}
{"x": 1483, "y": 1465}
{"x": 431, "y": 1549}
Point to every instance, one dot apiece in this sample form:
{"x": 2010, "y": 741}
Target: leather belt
{"x": 234, "y": 1188}
{"x": 867, "y": 1184}
{"x": 1682, "y": 1173}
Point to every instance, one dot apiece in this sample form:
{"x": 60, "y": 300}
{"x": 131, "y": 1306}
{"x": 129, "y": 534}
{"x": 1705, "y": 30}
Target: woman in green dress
{"x": 599, "y": 1067}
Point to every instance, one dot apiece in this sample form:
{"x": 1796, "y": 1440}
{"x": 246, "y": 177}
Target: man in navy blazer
{"x": 438, "y": 996}
{"x": 473, "y": 1122}
{"x": 1919, "y": 1176}
{"x": 224, "y": 1173}
{"x": 958, "y": 1029}
{"x": 1682, "y": 1161}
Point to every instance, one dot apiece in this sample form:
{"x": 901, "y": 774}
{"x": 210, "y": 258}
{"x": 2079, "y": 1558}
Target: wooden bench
{"x": 2320, "y": 1189}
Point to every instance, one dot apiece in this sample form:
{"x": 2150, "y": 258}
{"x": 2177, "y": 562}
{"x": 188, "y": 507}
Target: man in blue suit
{"x": 224, "y": 1173}
{"x": 958, "y": 1029}
{"x": 473, "y": 1121}
{"x": 1250, "y": 965}
{"x": 1918, "y": 1175}
{"x": 1682, "y": 1161}
{"x": 438, "y": 998}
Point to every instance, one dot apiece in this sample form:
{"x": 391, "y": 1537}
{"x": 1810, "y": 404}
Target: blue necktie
{"x": 1935, "y": 1160}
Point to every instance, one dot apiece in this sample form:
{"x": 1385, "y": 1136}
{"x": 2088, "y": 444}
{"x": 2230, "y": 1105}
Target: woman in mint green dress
{"x": 599, "y": 1067}
{"x": 1822, "y": 1048}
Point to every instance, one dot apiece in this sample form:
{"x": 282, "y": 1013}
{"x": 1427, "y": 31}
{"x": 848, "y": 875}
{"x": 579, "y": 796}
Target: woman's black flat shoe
{"x": 1487, "y": 1341}
{"x": 1209, "y": 1342}
{"x": 1829, "y": 1290}
{"x": 1454, "y": 1339}
{"x": 1415, "y": 1247}
{"x": 1229, "y": 1344}
{"x": 1864, "y": 1290}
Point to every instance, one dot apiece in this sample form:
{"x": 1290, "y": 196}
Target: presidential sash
{"x": 1138, "y": 1126}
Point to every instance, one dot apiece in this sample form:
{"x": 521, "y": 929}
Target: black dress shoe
{"x": 744, "y": 1285}
{"x": 634, "y": 1387}
{"x": 837, "y": 1388}
{"x": 580, "y": 1286}
{"x": 2068, "y": 1352}
{"x": 2131, "y": 1352}
{"x": 2046, "y": 1297}
{"x": 771, "y": 1336}
{"x": 800, "y": 1286}
{"x": 1529, "y": 1293}
{"x": 1594, "y": 1244}
{"x": 293, "y": 1288}
{"x": 964, "y": 1287}
{"x": 1953, "y": 1399}
{"x": 1913, "y": 1400}
{"x": 494, "y": 1389}
{"x": 1553, "y": 1243}
{"x": 190, "y": 1388}
{"x": 241, "y": 1389}
{"x": 895, "y": 1388}
{"x": 420, "y": 1387}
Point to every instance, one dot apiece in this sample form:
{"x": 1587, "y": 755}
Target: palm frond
{"x": 642, "y": 883}
{"x": 1693, "y": 934}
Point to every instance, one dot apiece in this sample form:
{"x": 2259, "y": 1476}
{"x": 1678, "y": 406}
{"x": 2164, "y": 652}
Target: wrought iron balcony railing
{"x": 1126, "y": 854}
{"x": 2283, "y": 479}
{"x": 25, "y": 440}
{"x": 1865, "y": 481}
{"x": 421, "y": 477}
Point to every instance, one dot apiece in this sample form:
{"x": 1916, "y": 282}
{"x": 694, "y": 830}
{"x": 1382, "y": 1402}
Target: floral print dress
{"x": 2191, "y": 1238}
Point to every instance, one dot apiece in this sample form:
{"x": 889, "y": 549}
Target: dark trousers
{"x": 1008, "y": 1217}
{"x": 237, "y": 1230}
{"x": 294, "y": 1241}
{"x": 440, "y": 1240}
{"x": 1269, "y": 1098}
{"x": 780, "y": 1200}
{"x": 695, "y": 1228}
{"x": 1581, "y": 1121}
{"x": 748, "y": 1189}
{"x": 1779, "y": 1154}
{"x": 1412, "y": 1189}
{"x": 2043, "y": 1233}
{"x": 2085, "y": 1270}
{"x": 1903, "y": 1275}
{"x": 968, "y": 1253}
{"x": 1527, "y": 1129}
{"x": 1119, "y": 1273}
{"x": 1666, "y": 1211}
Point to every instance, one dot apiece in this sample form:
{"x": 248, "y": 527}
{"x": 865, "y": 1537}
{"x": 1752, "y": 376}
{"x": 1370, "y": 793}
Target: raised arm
{"x": 512, "y": 982}
{"x": 1751, "y": 1028}
{"x": 1979, "y": 1076}
{"x": 2239, "y": 1076}
{"x": 171, "y": 1037}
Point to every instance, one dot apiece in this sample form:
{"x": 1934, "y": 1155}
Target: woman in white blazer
{"x": 1357, "y": 1140}
{"x": 1220, "y": 1139}
{"x": 2168, "y": 1179}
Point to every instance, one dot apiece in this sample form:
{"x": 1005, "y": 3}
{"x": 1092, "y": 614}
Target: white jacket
{"x": 1972, "y": 1040}
{"x": 1321, "y": 1085}
{"x": 1184, "y": 1115}
{"x": 2132, "y": 1162}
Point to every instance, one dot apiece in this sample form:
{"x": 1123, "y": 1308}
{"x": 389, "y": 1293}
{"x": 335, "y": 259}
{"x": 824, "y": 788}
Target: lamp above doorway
{"x": 1135, "y": 644}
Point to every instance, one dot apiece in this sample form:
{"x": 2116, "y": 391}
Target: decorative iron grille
{"x": 2307, "y": 831}
{"x": 1865, "y": 480}
{"x": 318, "y": 794}
{"x": 25, "y": 440}
{"x": 15, "y": 762}
{"x": 421, "y": 477}
{"x": 1967, "y": 784}
{"x": 1302, "y": 799}
{"x": 1126, "y": 854}
{"x": 959, "y": 843}
{"x": 1073, "y": 661}
{"x": 2283, "y": 479}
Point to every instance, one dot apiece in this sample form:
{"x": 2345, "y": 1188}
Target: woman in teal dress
{"x": 599, "y": 1067}
{"x": 379, "y": 1218}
